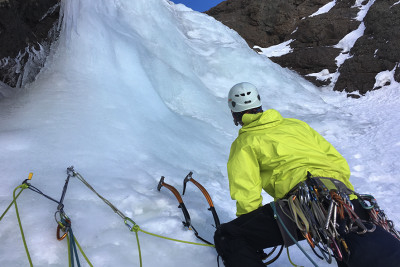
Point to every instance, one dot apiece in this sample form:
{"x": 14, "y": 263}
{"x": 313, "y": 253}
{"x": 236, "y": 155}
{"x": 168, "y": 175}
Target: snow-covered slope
{"x": 136, "y": 90}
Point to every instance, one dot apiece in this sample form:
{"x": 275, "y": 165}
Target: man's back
{"x": 281, "y": 150}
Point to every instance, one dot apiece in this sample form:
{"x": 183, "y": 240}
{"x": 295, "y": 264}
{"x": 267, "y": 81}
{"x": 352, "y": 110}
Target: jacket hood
{"x": 267, "y": 119}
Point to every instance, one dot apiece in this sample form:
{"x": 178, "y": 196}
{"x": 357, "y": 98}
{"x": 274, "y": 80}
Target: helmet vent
{"x": 247, "y": 102}
{"x": 237, "y": 95}
{"x": 248, "y": 93}
{"x": 242, "y": 94}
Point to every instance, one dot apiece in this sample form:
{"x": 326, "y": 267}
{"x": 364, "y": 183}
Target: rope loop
{"x": 135, "y": 228}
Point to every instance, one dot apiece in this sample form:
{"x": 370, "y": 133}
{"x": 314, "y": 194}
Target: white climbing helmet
{"x": 243, "y": 96}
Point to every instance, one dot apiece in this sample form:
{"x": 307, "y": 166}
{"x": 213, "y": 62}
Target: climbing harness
{"x": 187, "y": 223}
{"x": 322, "y": 211}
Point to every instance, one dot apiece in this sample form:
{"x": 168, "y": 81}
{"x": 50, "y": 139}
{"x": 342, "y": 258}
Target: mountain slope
{"x": 342, "y": 44}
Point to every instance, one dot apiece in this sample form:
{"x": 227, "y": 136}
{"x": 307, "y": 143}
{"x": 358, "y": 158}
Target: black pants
{"x": 238, "y": 241}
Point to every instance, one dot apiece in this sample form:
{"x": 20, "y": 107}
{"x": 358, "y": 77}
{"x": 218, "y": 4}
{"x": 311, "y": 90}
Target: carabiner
{"x": 337, "y": 249}
{"x": 65, "y": 227}
{"x": 309, "y": 239}
{"x": 134, "y": 226}
{"x": 359, "y": 223}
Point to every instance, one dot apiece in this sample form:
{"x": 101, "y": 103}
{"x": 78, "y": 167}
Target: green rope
{"x": 23, "y": 186}
{"x": 5, "y": 212}
{"x": 177, "y": 240}
{"x": 69, "y": 252}
{"x": 136, "y": 229}
{"x": 139, "y": 246}
{"x": 82, "y": 252}
{"x": 293, "y": 264}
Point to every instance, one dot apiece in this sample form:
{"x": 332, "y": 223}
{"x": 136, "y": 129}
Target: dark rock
{"x": 271, "y": 22}
{"x": 27, "y": 27}
{"x": 378, "y": 50}
{"x": 264, "y": 23}
{"x": 310, "y": 60}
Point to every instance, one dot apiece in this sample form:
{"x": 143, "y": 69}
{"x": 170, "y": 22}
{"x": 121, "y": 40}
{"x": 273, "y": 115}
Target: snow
{"x": 322, "y": 75}
{"x": 276, "y": 50}
{"x": 136, "y": 90}
{"x": 364, "y": 8}
{"x": 385, "y": 78}
{"x": 324, "y": 9}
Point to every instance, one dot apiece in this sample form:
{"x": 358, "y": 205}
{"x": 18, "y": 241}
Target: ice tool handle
{"x": 206, "y": 194}
{"x": 187, "y": 222}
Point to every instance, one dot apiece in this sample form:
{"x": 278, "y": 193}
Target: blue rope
{"x": 276, "y": 216}
{"x": 73, "y": 249}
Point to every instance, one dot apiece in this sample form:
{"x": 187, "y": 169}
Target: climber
{"x": 275, "y": 154}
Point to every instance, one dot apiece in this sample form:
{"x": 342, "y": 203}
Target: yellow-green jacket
{"x": 274, "y": 154}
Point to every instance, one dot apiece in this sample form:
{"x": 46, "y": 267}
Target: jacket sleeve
{"x": 244, "y": 177}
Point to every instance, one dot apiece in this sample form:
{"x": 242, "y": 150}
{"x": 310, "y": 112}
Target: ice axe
{"x": 207, "y": 196}
{"x": 187, "y": 222}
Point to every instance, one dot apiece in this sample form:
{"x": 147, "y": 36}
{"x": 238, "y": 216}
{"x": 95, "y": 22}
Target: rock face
{"x": 377, "y": 50}
{"x": 27, "y": 28}
{"x": 315, "y": 29}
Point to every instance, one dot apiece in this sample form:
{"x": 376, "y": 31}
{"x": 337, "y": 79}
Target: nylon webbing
{"x": 115, "y": 209}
